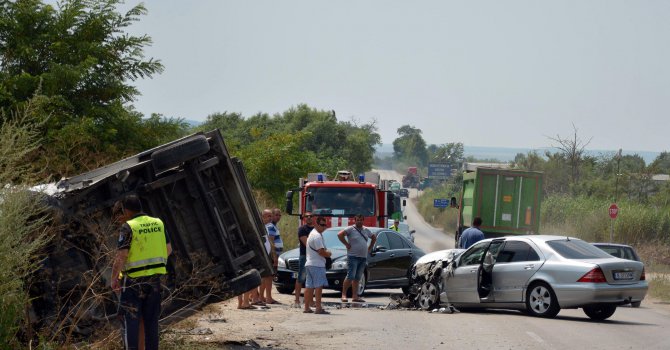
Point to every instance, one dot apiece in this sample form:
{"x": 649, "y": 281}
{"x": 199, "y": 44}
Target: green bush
{"x": 22, "y": 222}
{"x": 587, "y": 218}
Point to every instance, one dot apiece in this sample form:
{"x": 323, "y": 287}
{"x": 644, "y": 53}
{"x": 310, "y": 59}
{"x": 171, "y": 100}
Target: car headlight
{"x": 281, "y": 262}
{"x": 340, "y": 264}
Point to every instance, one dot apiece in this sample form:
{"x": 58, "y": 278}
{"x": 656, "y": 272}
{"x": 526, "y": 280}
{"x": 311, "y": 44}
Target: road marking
{"x": 535, "y": 336}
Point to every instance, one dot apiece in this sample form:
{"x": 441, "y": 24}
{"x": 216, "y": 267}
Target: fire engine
{"x": 341, "y": 198}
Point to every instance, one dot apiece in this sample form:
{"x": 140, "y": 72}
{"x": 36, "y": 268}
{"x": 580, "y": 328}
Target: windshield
{"x": 330, "y": 239}
{"x": 341, "y": 201}
{"x": 577, "y": 249}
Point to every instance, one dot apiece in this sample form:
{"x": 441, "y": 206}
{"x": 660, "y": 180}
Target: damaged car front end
{"x": 426, "y": 278}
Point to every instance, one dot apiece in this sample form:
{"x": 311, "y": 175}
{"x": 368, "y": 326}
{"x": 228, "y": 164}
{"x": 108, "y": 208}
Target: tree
{"x": 410, "y": 147}
{"x": 530, "y": 161}
{"x": 275, "y": 163}
{"x": 573, "y": 152}
{"x": 78, "y": 57}
{"x": 449, "y": 153}
{"x": 661, "y": 165}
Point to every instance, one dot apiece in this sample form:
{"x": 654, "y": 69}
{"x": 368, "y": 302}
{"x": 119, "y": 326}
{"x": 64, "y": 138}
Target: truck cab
{"x": 339, "y": 200}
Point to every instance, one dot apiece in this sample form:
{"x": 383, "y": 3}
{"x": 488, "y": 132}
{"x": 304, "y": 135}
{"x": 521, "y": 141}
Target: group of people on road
{"x": 262, "y": 295}
{"x": 144, "y": 246}
{"x": 313, "y": 255}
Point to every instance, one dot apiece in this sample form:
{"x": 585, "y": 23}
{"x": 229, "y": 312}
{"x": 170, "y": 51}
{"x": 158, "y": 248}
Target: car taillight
{"x": 643, "y": 277}
{"x": 594, "y": 276}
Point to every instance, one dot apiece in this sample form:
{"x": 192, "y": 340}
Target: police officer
{"x": 142, "y": 253}
{"x": 395, "y": 225}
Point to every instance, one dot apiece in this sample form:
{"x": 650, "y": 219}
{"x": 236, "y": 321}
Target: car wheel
{"x": 361, "y": 285}
{"x": 285, "y": 289}
{"x": 636, "y": 304}
{"x": 541, "y": 301}
{"x": 429, "y": 296}
{"x": 599, "y": 312}
{"x": 177, "y": 153}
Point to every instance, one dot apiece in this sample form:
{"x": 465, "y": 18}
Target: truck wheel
{"x": 248, "y": 281}
{"x": 177, "y": 153}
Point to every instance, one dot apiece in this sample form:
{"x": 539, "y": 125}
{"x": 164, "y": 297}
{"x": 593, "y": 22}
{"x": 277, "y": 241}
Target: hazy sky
{"x": 485, "y": 73}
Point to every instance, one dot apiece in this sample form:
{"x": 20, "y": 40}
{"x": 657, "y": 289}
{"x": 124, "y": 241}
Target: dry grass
{"x": 659, "y": 287}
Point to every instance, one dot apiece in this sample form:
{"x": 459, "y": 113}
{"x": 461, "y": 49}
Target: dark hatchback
{"x": 389, "y": 263}
{"x": 622, "y": 251}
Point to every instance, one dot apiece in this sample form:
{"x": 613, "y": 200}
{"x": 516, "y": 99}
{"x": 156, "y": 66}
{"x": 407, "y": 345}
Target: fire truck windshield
{"x": 341, "y": 201}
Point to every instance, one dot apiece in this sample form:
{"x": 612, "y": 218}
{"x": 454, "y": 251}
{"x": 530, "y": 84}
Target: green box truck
{"x": 508, "y": 201}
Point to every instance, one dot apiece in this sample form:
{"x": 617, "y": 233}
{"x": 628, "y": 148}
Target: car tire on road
{"x": 429, "y": 296}
{"x": 636, "y": 304}
{"x": 285, "y": 289}
{"x": 599, "y": 312}
{"x": 541, "y": 300}
{"x": 177, "y": 153}
{"x": 361, "y": 286}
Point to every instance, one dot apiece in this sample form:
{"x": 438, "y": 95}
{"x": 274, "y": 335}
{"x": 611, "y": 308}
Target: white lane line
{"x": 536, "y": 337}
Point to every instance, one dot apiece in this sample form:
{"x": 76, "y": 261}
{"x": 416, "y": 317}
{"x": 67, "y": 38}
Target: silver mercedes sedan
{"x": 539, "y": 274}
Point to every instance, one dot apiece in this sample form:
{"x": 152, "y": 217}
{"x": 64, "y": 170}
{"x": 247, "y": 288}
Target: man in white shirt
{"x": 316, "y": 267}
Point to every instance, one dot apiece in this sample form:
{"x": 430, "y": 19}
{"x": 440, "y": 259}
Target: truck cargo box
{"x": 508, "y": 201}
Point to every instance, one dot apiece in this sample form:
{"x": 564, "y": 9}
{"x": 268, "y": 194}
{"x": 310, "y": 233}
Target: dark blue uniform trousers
{"x": 141, "y": 300}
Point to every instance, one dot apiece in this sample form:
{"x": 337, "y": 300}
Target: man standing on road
{"x": 471, "y": 235}
{"x": 357, "y": 255}
{"x": 142, "y": 253}
{"x": 316, "y": 268}
{"x": 303, "y": 233}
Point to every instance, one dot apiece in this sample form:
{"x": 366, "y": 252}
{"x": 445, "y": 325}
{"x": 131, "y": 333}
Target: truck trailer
{"x": 507, "y": 201}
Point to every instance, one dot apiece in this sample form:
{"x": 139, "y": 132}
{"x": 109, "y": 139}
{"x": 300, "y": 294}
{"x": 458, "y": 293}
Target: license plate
{"x": 624, "y": 275}
{"x": 295, "y": 275}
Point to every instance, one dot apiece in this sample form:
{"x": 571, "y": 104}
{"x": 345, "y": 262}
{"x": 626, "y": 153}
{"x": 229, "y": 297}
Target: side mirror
{"x": 404, "y": 202}
{"x": 289, "y": 202}
{"x": 412, "y": 232}
{"x": 380, "y": 248}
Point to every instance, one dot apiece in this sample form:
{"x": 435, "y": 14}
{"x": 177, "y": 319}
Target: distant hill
{"x": 192, "y": 123}
{"x": 504, "y": 154}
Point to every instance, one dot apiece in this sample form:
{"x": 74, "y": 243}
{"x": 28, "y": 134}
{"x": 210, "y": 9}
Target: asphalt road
{"x": 372, "y": 326}
{"x": 629, "y": 328}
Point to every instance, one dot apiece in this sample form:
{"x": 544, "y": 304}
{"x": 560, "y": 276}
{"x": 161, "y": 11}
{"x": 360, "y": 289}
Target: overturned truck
{"x": 202, "y": 195}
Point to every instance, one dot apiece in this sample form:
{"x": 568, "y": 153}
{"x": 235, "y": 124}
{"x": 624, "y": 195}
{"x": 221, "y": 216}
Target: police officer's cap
{"x": 132, "y": 203}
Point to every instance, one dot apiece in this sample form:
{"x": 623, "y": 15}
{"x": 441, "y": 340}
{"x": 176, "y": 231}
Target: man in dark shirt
{"x": 303, "y": 233}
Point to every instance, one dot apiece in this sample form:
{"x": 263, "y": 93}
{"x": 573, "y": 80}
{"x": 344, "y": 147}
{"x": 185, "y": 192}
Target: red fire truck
{"x": 343, "y": 197}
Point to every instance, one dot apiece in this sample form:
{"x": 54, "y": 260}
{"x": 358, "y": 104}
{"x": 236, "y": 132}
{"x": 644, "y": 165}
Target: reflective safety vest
{"x": 394, "y": 228}
{"x": 148, "y": 251}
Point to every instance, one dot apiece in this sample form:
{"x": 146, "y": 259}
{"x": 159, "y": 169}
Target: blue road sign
{"x": 440, "y": 202}
{"x": 439, "y": 171}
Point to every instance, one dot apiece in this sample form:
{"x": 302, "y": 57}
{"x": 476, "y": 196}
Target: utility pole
{"x": 616, "y": 191}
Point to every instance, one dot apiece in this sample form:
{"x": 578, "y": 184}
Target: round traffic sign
{"x": 613, "y": 211}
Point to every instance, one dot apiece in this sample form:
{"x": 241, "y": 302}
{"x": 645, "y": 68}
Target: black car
{"x": 389, "y": 263}
{"x": 622, "y": 251}
{"x": 618, "y": 250}
{"x": 403, "y": 192}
